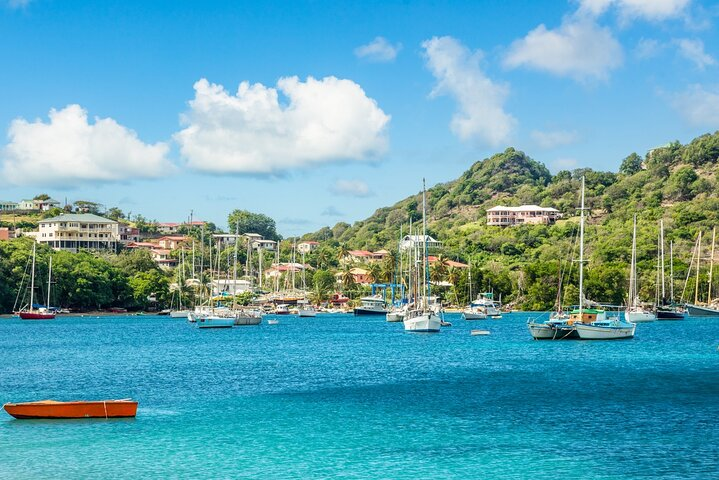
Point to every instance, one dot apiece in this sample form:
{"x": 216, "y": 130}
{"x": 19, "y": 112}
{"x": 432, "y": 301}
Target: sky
{"x": 315, "y": 112}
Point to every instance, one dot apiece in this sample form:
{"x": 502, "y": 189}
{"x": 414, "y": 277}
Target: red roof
{"x": 360, "y": 253}
{"x": 450, "y": 263}
{"x": 310, "y": 242}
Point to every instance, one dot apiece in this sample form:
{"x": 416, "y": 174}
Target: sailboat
{"x": 670, "y": 310}
{"x": 473, "y": 311}
{"x": 711, "y": 307}
{"x": 304, "y": 308}
{"x": 206, "y": 316}
{"x": 180, "y": 311}
{"x": 593, "y": 324}
{"x": 635, "y": 312}
{"x": 42, "y": 313}
{"x": 423, "y": 318}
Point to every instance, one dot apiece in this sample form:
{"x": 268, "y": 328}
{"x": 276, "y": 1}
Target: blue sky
{"x": 346, "y": 105}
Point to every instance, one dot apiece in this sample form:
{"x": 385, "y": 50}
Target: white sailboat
{"x": 209, "y": 316}
{"x": 423, "y": 317}
{"x": 180, "y": 311}
{"x": 304, "y": 307}
{"x": 635, "y": 312}
{"x": 593, "y": 324}
{"x": 472, "y": 311}
{"x": 711, "y": 307}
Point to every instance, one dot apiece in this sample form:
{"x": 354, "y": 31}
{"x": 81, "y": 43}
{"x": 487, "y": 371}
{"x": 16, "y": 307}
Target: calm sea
{"x": 343, "y": 397}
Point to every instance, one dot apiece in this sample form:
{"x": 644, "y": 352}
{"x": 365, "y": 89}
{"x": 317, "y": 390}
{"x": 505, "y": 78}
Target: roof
{"x": 78, "y": 217}
{"x": 450, "y": 263}
{"x": 523, "y": 208}
{"x": 309, "y": 242}
{"x": 360, "y": 253}
{"x": 178, "y": 238}
{"x": 381, "y": 252}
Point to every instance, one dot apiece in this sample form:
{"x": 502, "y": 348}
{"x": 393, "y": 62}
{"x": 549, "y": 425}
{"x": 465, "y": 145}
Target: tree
{"x": 244, "y": 221}
{"x": 42, "y": 197}
{"x": 631, "y": 164}
{"x": 149, "y": 287}
{"x": 115, "y": 214}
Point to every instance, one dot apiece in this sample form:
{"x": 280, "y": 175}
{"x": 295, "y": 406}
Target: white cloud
{"x": 481, "y": 114}
{"x": 579, "y": 48}
{"x": 18, "y": 3}
{"x": 698, "y": 106}
{"x": 351, "y": 188}
{"x": 378, "y": 50}
{"x": 69, "y": 151}
{"x": 332, "y": 212}
{"x": 693, "y": 50}
{"x": 648, "y": 48}
{"x": 654, "y": 10}
{"x": 253, "y": 132}
{"x": 553, "y": 139}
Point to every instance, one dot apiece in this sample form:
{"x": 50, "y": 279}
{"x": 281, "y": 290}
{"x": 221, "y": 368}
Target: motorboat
{"x": 282, "y": 309}
{"x": 422, "y": 321}
{"x": 374, "y": 305}
{"x": 474, "y": 313}
{"x": 304, "y": 309}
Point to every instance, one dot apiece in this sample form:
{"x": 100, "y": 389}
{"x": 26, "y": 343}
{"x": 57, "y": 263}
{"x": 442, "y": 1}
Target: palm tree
{"x": 348, "y": 278}
{"x": 322, "y": 259}
{"x": 454, "y": 276}
{"x": 376, "y": 272}
{"x": 439, "y": 269}
{"x": 342, "y": 252}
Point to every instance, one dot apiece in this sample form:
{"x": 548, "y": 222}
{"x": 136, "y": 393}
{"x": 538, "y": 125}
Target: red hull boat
{"x": 37, "y": 316}
{"x": 78, "y": 409}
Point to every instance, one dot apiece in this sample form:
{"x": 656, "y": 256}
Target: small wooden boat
{"x": 37, "y": 315}
{"x": 475, "y": 333}
{"x": 77, "y": 409}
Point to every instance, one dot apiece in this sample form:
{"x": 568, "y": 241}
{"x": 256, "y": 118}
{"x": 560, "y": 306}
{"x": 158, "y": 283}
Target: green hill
{"x": 676, "y": 183}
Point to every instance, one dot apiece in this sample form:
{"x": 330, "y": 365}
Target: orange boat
{"x": 78, "y": 409}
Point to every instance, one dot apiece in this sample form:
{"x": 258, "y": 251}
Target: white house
{"x": 7, "y": 206}
{"x": 78, "y": 231}
{"x": 411, "y": 241}
{"x": 307, "y": 246}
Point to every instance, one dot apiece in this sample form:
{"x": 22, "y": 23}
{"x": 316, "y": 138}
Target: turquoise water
{"x": 338, "y": 396}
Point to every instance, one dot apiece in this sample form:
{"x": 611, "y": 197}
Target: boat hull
{"x": 594, "y": 332}
{"x": 427, "y": 323}
{"x": 547, "y": 331}
{"x": 37, "y": 316}
{"x": 395, "y": 317}
{"x": 474, "y": 315}
{"x": 179, "y": 313}
{"x": 366, "y": 311}
{"x": 670, "y": 315}
{"x": 639, "y": 316}
{"x": 215, "y": 322}
{"x": 699, "y": 311}
{"x": 307, "y": 313}
{"x": 58, "y": 410}
{"x": 241, "y": 320}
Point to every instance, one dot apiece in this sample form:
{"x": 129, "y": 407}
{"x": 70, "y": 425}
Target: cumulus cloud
{"x": 553, "y": 139}
{"x": 693, "y": 50}
{"x": 654, "y": 10}
{"x": 253, "y": 132}
{"x": 480, "y": 101}
{"x": 579, "y": 48}
{"x": 698, "y": 106}
{"x": 351, "y": 188}
{"x": 68, "y": 150}
{"x": 378, "y": 50}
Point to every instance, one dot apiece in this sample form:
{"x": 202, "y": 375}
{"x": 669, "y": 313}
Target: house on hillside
{"x": 360, "y": 275}
{"x": 169, "y": 228}
{"x": 162, "y": 257}
{"x": 307, "y": 246}
{"x": 78, "y": 231}
{"x": 127, "y": 233}
{"x": 450, "y": 263}
{"x": 258, "y": 242}
{"x": 526, "y": 214}
{"x": 364, "y": 256}
{"x": 8, "y": 206}
{"x": 412, "y": 241}
{"x": 171, "y": 242}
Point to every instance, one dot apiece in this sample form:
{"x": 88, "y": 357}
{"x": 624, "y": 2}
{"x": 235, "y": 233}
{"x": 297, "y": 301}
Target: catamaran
{"x": 423, "y": 317}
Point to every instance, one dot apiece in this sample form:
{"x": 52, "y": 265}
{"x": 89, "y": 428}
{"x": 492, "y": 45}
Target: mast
{"x": 294, "y": 251}
{"x": 469, "y": 280}
{"x": 699, "y": 254}
{"x": 202, "y": 264}
{"x": 234, "y": 270}
{"x": 661, "y": 242}
{"x": 671, "y": 272}
{"x": 49, "y": 281}
{"x": 427, "y": 287}
{"x": 32, "y": 278}
{"x": 581, "y": 253}
{"x": 711, "y": 268}
{"x": 632, "y": 300}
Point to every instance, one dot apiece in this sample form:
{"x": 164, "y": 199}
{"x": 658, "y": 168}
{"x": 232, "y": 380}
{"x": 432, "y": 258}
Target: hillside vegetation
{"x": 676, "y": 183}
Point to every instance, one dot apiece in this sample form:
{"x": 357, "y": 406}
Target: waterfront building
{"x": 229, "y": 286}
{"x": 78, "y": 231}
{"x": 526, "y": 214}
